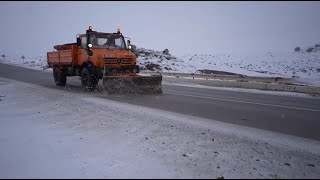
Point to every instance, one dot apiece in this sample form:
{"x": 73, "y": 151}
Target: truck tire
{"x": 88, "y": 81}
{"x": 60, "y": 77}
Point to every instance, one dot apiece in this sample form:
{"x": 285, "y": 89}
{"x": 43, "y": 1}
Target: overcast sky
{"x": 33, "y": 28}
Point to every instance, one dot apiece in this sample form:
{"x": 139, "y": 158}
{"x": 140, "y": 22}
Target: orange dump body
{"x": 65, "y": 55}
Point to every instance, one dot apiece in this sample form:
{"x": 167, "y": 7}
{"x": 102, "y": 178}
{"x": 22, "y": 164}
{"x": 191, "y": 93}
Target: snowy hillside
{"x": 38, "y": 62}
{"x": 303, "y": 65}
{"x": 300, "y": 64}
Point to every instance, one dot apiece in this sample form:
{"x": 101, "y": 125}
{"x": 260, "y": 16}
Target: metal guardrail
{"x": 240, "y": 78}
{"x": 238, "y": 81}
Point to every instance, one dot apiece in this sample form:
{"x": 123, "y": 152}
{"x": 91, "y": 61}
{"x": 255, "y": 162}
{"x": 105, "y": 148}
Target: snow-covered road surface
{"x": 51, "y": 133}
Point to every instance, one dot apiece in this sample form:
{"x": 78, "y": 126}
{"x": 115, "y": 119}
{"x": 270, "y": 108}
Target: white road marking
{"x": 246, "y": 102}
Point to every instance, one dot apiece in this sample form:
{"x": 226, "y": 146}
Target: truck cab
{"x": 107, "y": 51}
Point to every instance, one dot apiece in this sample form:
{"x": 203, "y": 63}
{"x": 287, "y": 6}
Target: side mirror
{"x": 129, "y": 45}
{"x": 78, "y": 42}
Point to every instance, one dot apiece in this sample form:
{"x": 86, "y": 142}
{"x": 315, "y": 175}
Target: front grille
{"x": 118, "y": 61}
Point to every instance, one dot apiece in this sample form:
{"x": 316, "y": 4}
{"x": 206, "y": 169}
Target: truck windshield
{"x": 107, "y": 41}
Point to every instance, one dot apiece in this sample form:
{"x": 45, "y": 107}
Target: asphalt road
{"x": 298, "y": 116}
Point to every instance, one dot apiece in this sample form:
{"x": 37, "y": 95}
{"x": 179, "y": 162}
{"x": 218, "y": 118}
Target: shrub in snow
{"x": 22, "y": 57}
{"x": 142, "y": 68}
{"x": 297, "y": 49}
{"x": 153, "y": 67}
{"x": 168, "y": 57}
{"x": 166, "y": 51}
{"x": 147, "y": 53}
{"x": 3, "y": 56}
{"x": 309, "y": 49}
{"x": 317, "y": 45}
{"x": 303, "y": 70}
{"x": 167, "y": 68}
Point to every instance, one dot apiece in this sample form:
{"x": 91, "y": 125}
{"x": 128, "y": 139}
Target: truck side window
{"x": 102, "y": 41}
{"x": 84, "y": 42}
{"x": 119, "y": 43}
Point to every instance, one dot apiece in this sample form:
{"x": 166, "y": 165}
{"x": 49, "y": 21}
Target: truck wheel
{"x": 88, "y": 81}
{"x": 60, "y": 77}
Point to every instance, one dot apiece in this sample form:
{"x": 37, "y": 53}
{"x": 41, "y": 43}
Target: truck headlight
{"x": 129, "y": 47}
{"x": 90, "y": 45}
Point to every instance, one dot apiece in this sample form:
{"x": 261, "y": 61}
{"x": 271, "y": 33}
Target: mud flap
{"x": 132, "y": 84}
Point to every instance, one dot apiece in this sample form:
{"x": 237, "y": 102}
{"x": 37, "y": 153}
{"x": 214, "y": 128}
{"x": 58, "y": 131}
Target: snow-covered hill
{"x": 300, "y": 64}
{"x": 303, "y": 65}
{"x": 38, "y": 62}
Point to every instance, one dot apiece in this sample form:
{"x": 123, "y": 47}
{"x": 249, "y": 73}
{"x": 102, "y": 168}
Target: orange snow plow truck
{"x": 100, "y": 55}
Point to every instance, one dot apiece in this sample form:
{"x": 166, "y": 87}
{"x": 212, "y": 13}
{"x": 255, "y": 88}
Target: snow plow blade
{"x": 132, "y": 84}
